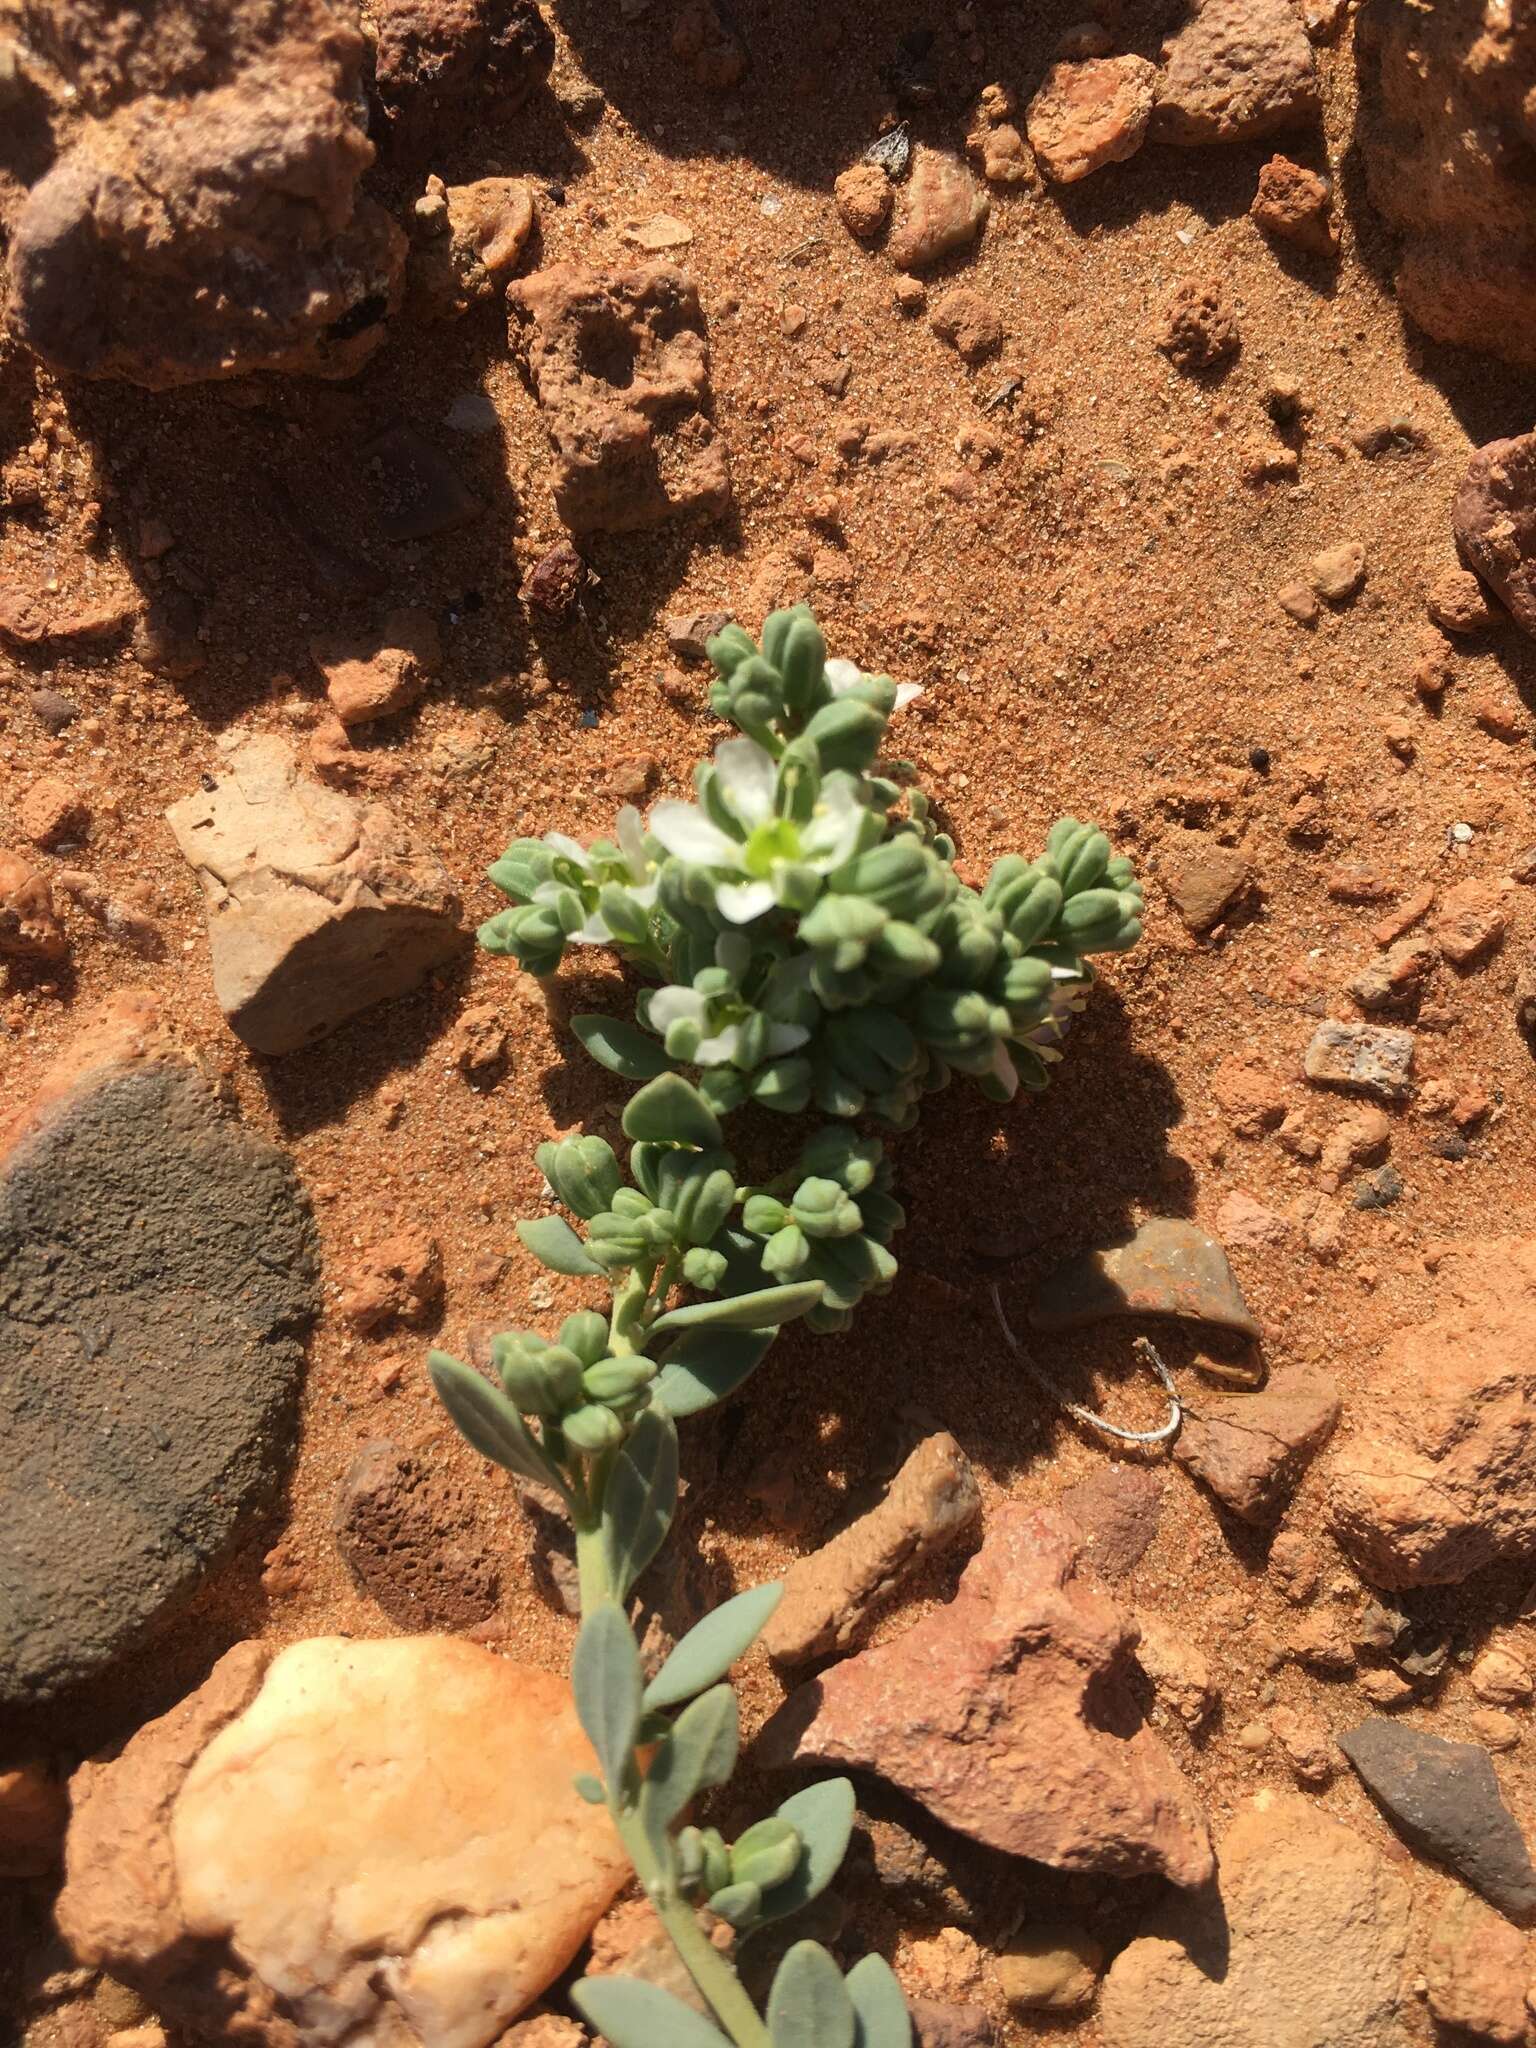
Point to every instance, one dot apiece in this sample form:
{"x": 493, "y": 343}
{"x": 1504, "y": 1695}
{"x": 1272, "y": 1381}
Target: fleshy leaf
{"x": 809, "y": 2005}
{"x": 669, "y": 1111}
{"x": 881, "y": 2019}
{"x": 704, "y": 1366}
{"x": 712, "y": 1646}
{"x": 554, "y": 1244}
{"x": 487, "y": 1420}
{"x": 606, "y": 1681}
{"x": 755, "y": 1311}
{"x": 823, "y": 1815}
{"x": 622, "y": 1047}
{"x": 630, "y": 2014}
{"x": 698, "y": 1754}
{"x": 640, "y": 1498}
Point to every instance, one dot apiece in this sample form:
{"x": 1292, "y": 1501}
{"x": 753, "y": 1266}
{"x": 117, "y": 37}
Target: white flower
{"x": 669, "y": 1005}
{"x": 842, "y": 675}
{"x": 745, "y": 779}
{"x": 634, "y": 872}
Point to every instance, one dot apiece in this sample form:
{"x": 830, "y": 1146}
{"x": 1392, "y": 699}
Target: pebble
{"x": 1339, "y": 572}
{"x": 1294, "y": 205}
{"x": 556, "y": 580}
{"x": 863, "y": 198}
{"x": 1299, "y": 601}
{"x": 1363, "y": 1057}
{"x": 1308, "y": 1747}
{"x": 1457, "y": 603}
{"x": 1380, "y": 1190}
{"x": 1089, "y": 114}
{"x": 1051, "y": 1966}
{"x": 52, "y": 710}
{"x": 52, "y": 813}
{"x": 943, "y": 211}
{"x": 891, "y": 152}
{"x": 1167, "y": 1267}
{"x": 1205, "y": 881}
{"x": 689, "y": 633}
{"x": 1494, "y": 1729}
{"x": 1199, "y": 331}
{"x": 1472, "y": 922}
{"x": 968, "y": 322}
{"x": 1501, "y": 1679}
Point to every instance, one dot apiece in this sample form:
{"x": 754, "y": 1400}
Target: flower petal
{"x": 907, "y": 693}
{"x": 669, "y": 1004}
{"x": 684, "y": 830}
{"x": 833, "y": 829}
{"x": 631, "y": 837}
{"x": 714, "y": 1052}
{"x": 740, "y": 902}
{"x": 842, "y": 675}
{"x": 745, "y": 776}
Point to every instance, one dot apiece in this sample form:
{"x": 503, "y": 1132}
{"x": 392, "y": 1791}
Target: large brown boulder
{"x": 375, "y": 1841}
{"x": 209, "y": 221}
{"x": 442, "y": 63}
{"x": 1448, "y": 136}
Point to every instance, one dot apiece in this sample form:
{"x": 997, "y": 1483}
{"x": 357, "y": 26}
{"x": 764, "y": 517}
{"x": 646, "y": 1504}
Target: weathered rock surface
{"x": 317, "y": 906}
{"x": 941, "y": 209}
{"x": 620, "y": 364}
{"x": 473, "y": 245}
{"x": 29, "y": 925}
{"x": 1443, "y": 1796}
{"x": 1304, "y": 1941}
{"x": 413, "y": 1538}
{"x": 1117, "y": 1508}
{"x": 832, "y": 1598}
{"x": 373, "y": 1841}
{"x": 1165, "y": 1268}
{"x": 1295, "y": 205}
{"x": 1445, "y": 132}
{"x": 1494, "y": 517}
{"x": 1236, "y": 70}
{"x": 1251, "y": 1449}
{"x": 33, "y": 1814}
{"x": 1474, "y": 1968}
{"x": 1365, "y": 1059}
{"x": 210, "y": 223}
{"x": 1089, "y": 114}
{"x": 1008, "y": 1714}
{"x": 442, "y": 63}
{"x": 157, "y": 1275}
{"x": 1180, "y": 1674}
{"x": 1439, "y": 1476}
{"x": 373, "y": 672}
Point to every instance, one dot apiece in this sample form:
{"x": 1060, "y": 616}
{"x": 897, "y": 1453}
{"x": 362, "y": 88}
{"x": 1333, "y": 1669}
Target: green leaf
{"x": 487, "y": 1420}
{"x": 630, "y": 2014}
{"x": 640, "y": 1497}
{"x": 712, "y": 1646}
{"x": 590, "y": 1787}
{"x": 700, "y": 1752}
{"x": 622, "y": 1047}
{"x": 606, "y": 1680}
{"x": 881, "y": 2019}
{"x": 809, "y": 2005}
{"x": 737, "y": 1903}
{"x": 669, "y": 1111}
{"x": 704, "y": 1366}
{"x": 823, "y": 1814}
{"x": 554, "y": 1244}
{"x": 755, "y": 1311}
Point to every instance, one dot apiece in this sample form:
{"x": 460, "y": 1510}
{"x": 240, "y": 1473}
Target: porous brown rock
{"x": 1008, "y": 1715}
{"x": 157, "y": 1278}
{"x": 863, "y": 197}
{"x": 620, "y": 364}
{"x": 1180, "y": 1674}
{"x": 29, "y": 926}
{"x": 1250, "y": 1097}
{"x": 210, "y": 222}
{"x": 968, "y": 322}
{"x": 1088, "y": 114}
{"x": 1474, "y": 1970}
{"x": 1234, "y": 71}
{"x": 1251, "y": 1449}
{"x": 410, "y": 1533}
{"x": 378, "y": 1840}
{"x": 1445, "y": 136}
{"x": 475, "y": 245}
{"x": 440, "y": 64}
{"x": 52, "y": 812}
{"x": 1308, "y": 1919}
{"x": 1437, "y": 1477}
{"x": 1294, "y": 204}
{"x": 1494, "y": 518}
{"x": 833, "y": 1597}
{"x": 1458, "y": 604}
{"x": 1199, "y": 330}
{"x": 994, "y": 140}
{"x": 942, "y": 210}
{"x": 317, "y": 906}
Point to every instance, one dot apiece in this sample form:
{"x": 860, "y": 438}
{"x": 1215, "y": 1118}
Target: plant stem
{"x": 709, "y": 1969}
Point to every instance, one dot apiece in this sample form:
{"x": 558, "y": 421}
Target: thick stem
{"x": 709, "y": 1969}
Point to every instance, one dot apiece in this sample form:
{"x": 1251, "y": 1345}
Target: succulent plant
{"x": 812, "y": 942}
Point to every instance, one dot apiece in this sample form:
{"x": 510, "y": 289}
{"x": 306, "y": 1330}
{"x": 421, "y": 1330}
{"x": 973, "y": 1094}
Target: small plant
{"x": 811, "y": 940}
{"x": 808, "y": 942}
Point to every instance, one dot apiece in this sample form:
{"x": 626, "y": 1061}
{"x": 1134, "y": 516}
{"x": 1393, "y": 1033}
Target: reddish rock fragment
{"x": 1199, "y": 331}
{"x": 968, "y": 322}
{"x": 1295, "y": 205}
{"x": 29, "y": 929}
{"x": 863, "y": 196}
{"x": 1494, "y": 518}
{"x": 398, "y": 1280}
{"x": 1089, "y": 114}
{"x": 1475, "y": 1971}
{"x": 440, "y": 63}
{"x": 556, "y": 580}
{"x": 1236, "y": 70}
{"x": 1251, "y": 1449}
{"x": 942, "y": 210}
{"x": 374, "y": 673}
{"x": 1471, "y": 923}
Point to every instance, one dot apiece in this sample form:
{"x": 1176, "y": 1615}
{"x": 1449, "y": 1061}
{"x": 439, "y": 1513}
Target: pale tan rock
{"x": 380, "y": 670}
{"x": 1308, "y": 1921}
{"x": 1180, "y": 1674}
{"x": 317, "y": 906}
{"x": 1475, "y": 1971}
{"x": 33, "y": 1811}
{"x": 29, "y": 926}
{"x": 1309, "y": 1749}
{"x": 1089, "y": 114}
{"x": 375, "y": 1841}
{"x": 943, "y": 209}
{"x": 1501, "y": 1679}
{"x": 832, "y": 1598}
{"x": 1050, "y": 1966}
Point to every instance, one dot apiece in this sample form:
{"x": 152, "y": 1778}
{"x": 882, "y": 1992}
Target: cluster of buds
{"x": 732, "y": 1878}
{"x": 812, "y": 942}
{"x": 832, "y": 1222}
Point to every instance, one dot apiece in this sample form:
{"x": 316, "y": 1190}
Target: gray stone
{"x": 1166, "y": 1268}
{"x": 1443, "y": 1797}
{"x": 1363, "y": 1058}
{"x": 157, "y": 1277}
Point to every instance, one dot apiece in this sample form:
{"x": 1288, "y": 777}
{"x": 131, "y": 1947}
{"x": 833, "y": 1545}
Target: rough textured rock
{"x": 474, "y": 236}
{"x": 832, "y": 1598}
{"x": 1294, "y": 204}
{"x": 1008, "y": 1715}
{"x": 33, "y": 1814}
{"x": 968, "y": 322}
{"x": 400, "y": 1279}
{"x": 619, "y": 362}
{"x": 1089, "y": 114}
{"x": 1309, "y": 1922}
{"x": 1205, "y": 880}
{"x": 1365, "y": 1059}
{"x": 942, "y": 210}
{"x": 374, "y": 1840}
{"x": 29, "y": 927}
{"x": 157, "y": 1275}
{"x": 412, "y": 1537}
{"x": 1446, "y": 137}
{"x": 1444, "y": 1797}
{"x": 369, "y": 674}
{"x": 210, "y": 223}
{"x": 1117, "y": 1508}
{"x": 1439, "y": 1476}
{"x": 1167, "y": 1267}
{"x": 1474, "y": 1967}
{"x": 1180, "y": 1674}
{"x": 1199, "y": 331}
{"x": 317, "y": 906}
{"x": 1049, "y": 1966}
{"x": 1251, "y": 1449}
{"x": 1236, "y": 70}
{"x": 938, "y": 2024}
{"x": 1494, "y": 517}
{"x": 442, "y": 63}
{"x": 863, "y": 197}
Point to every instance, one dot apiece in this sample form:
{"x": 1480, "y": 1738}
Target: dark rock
{"x": 420, "y": 492}
{"x": 1117, "y": 1510}
{"x": 442, "y": 63}
{"x": 1379, "y": 1190}
{"x": 53, "y": 710}
{"x": 1445, "y": 1799}
{"x": 157, "y": 1276}
{"x": 407, "y": 1531}
{"x": 1166, "y": 1268}
{"x": 556, "y": 580}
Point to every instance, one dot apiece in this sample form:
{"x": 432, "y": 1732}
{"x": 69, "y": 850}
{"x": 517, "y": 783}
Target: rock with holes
{"x": 415, "y": 1538}
{"x": 157, "y": 1276}
{"x": 1010, "y": 1714}
{"x": 317, "y": 906}
{"x": 619, "y": 362}
{"x": 344, "y": 1841}
{"x": 1233, "y": 71}
{"x": 441, "y": 64}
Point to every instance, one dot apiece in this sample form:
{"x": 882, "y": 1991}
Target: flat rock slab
{"x": 318, "y": 906}
{"x": 157, "y": 1278}
{"x": 1251, "y": 1449}
{"x": 1364, "y": 1059}
{"x": 1443, "y": 1797}
{"x": 1302, "y": 1941}
{"x": 374, "y": 1842}
{"x": 1167, "y": 1268}
{"x": 1010, "y": 1714}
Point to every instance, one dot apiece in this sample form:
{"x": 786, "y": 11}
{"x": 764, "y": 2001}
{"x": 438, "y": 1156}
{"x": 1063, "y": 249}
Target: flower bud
{"x": 586, "y": 1333}
{"x": 594, "y": 1428}
{"x": 704, "y": 1269}
{"x": 786, "y": 1252}
{"x": 767, "y": 1854}
{"x": 615, "y": 1379}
